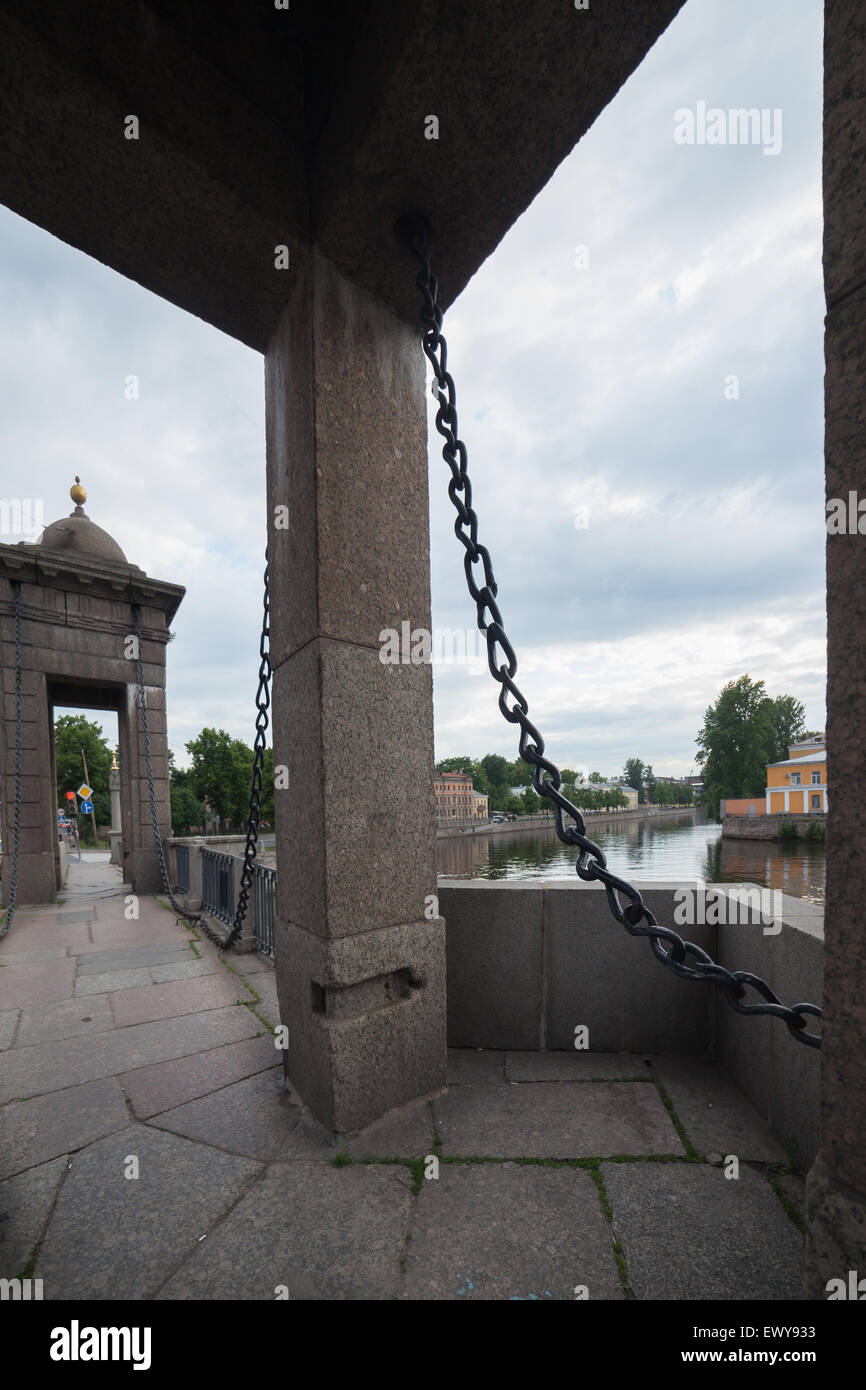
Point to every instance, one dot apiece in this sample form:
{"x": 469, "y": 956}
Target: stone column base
{"x": 836, "y": 1240}
{"x": 366, "y": 1018}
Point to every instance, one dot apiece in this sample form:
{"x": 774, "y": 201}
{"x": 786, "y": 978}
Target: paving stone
{"x": 406, "y": 1132}
{"x": 575, "y": 1066}
{"x": 474, "y": 1066}
{"x": 86, "y": 985}
{"x": 21, "y": 957}
{"x": 258, "y": 1118}
{"x": 178, "y": 997}
{"x": 555, "y": 1120}
{"x": 191, "y": 969}
{"x": 690, "y": 1233}
{"x": 115, "y": 1237}
{"x": 36, "y": 982}
{"x": 131, "y": 943}
{"x": 325, "y": 1233}
{"x": 75, "y": 914}
{"x": 167, "y": 1085}
{"x": 265, "y": 987}
{"x": 39, "y": 936}
{"x": 29, "y": 1071}
{"x": 72, "y": 1018}
{"x": 139, "y": 933}
{"x": 715, "y": 1114}
{"x": 102, "y": 962}
{"x": 8, "y": 1022}
{"x": 255, "y": 964}
{"x": 25, "y": 1202}
{"x": 33, "y": 1131}
{"x": 509, "y": 1231}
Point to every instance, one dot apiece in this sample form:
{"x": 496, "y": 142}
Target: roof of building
{"x": 819, "y": 757}
{"x": 78, "y": 533}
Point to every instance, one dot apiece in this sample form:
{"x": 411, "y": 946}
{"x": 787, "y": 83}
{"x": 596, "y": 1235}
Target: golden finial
{"x": 114, "y": 767}
{"x": 77, "y": 493}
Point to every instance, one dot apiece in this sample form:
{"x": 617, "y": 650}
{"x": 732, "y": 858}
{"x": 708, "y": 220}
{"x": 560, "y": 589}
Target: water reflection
{"x": 680, "y": 849}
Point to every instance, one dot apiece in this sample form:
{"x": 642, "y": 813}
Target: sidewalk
{"x": 149, "y": 1149}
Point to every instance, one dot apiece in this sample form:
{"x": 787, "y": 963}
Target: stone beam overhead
{"x": 261, "y": 127}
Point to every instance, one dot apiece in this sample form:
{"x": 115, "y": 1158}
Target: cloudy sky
{"x": 639, "y": 377}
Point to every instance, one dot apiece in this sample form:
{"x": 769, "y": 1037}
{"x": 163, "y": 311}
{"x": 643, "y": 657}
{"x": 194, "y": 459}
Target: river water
{"x": 676, "y": 849}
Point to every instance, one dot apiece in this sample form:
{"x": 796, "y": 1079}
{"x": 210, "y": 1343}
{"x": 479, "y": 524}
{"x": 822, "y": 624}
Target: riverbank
{"x": 600, "y": 818}
{"x": 769, "y": 827}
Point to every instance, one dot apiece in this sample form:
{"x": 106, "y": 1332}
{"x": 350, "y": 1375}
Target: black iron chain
{"x": 251, "y": 848}
{"x": 16, "y": 811}
{"x": 591, "y": 862}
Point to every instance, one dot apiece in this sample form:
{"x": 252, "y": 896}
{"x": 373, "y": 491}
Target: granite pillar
{"x": 836, "y": 1188}
{"x": 360, "y": 949}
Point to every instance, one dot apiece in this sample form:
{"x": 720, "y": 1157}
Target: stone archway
{"x": 77, "y": 647}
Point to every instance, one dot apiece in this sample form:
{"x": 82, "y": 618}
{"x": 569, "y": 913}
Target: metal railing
{"x": 218, "y": 884}
{"x": 182, "y": 859}
{"x": 264, "y": 885}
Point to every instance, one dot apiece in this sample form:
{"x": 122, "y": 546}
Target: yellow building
{"x": 454, "y": 796}
{"x": 798, "y": 785}
{"x": 480, "y": 801}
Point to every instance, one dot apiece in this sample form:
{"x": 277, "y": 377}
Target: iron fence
{"x": 264, "y": 907}
{"x": 218, "y": 884}
{"x": 182, "y": 857}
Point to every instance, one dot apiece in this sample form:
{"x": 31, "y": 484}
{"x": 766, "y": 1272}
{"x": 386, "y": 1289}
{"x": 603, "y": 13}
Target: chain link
{"x": 16, "y": 812}
{"x": 591, "y": 864}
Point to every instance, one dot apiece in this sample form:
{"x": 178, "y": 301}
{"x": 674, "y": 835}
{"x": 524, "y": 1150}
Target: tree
{"x": 741, "y": 733}
{"x": 788, "y": 718}
{"x": 596, "y": 777}
{"x": 531, "y": 801}
{"x": 649, "y": 782}
{"x": 221, "y": 774}
{"x": 633, "y": 772}
{"x": 187, "y": 811}
{"x": 72, "y": 733}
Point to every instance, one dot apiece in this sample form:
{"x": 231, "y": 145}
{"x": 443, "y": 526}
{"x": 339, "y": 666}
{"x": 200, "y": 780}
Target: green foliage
{"x": 744, "y": 731}
{"x": 221, "y": 775}
{"x": 634, "y": 774}
{"x": 72, "y": 733}
{"x": 787, "y": 830}
{"x": 815, "y": 830}
{"x": 531, "y": 801}
{"x": 187, "y": 811}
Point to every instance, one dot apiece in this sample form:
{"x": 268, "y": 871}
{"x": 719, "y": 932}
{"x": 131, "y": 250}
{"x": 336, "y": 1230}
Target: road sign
{"x": 85, "y": 792}
{"x": 87, "y": 808}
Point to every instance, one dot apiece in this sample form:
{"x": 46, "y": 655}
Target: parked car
{"x": 497, "y": 818}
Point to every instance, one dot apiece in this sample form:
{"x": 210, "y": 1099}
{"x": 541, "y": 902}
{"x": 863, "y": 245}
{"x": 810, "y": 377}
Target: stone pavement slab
{"x": 76, "y": 914}
{"x": 509, "y": 1231}
{"x": 70, "y": 1018}
{"x": 8, "y": 1024}
{"x": 715, "y": 1114}
{"x": 33, "y": 1131}
{"x": 167, "y": 1085}
{"x": 575, "y": 1066}
{"x": 403, "y": 1133}
{"x": 475, "y": 1066}
{"x": 555, "y": 1120}
{"x": 20, "y": 957}
{"x": 132, "y": 957}
{"x": 689, "y": 1232}
{"x": 35, "y": 982}
{"x": 40, "y": 936}
{"x": 178, "y": 997}
{"x": 183, "y": 969}
{"x": 29, "y": 1071}
{"x": 257, "y": 1117}
{"x": 87, "y": 985}
{"x": 25, "y": 1202}
{"x": 130, "y": 942}
{"x": 265, "y": 987}
{"x": 116, "y": 1237}
{"x": 323, "y": 1232}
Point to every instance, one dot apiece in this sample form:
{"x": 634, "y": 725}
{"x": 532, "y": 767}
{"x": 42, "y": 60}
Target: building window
{"x": 816, "y": 803}
{"x": 795, "y": 779}
{"x": 816, "y": 779}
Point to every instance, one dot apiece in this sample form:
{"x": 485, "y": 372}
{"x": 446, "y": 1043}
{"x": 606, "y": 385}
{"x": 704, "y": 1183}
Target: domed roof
{"x": 78, "y": 533}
